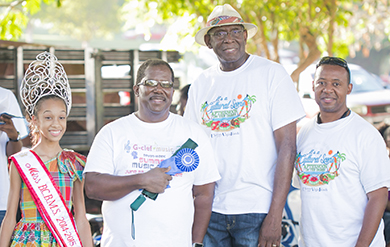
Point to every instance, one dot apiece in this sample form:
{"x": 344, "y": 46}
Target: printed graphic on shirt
{"x": 224, "y": 114}
{"x": 144, "y": 157}
{"x": 316, "y": 168}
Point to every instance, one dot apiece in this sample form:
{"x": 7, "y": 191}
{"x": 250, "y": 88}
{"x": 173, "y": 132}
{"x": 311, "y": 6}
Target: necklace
{"x": 346, "y": 113}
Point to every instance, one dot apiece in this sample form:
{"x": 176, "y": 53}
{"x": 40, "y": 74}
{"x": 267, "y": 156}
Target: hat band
{"x": 223, "y": 20}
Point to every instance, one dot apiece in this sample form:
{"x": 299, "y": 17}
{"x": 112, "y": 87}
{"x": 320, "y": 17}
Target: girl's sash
{"x": 47, "y": 197}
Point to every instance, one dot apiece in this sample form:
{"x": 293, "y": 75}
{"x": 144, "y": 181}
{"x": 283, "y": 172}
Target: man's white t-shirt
{"x": 337, "y": 164}
{"x": 129, "y": 146}
{"x": 8, "y": 104}
{"x": 240, "y": 110}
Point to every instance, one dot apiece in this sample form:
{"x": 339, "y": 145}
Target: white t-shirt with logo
{"x": 337, "y": 164}
{"x": 129, "y": 146}
{"x": 240, "y": 110}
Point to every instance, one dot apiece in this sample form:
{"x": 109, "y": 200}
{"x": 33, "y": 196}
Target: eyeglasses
{"x": 335, "y": 61}
{"x": 332, "y": 61}
{"x": 154, "y": 83}
{"x": 223, "y": 34}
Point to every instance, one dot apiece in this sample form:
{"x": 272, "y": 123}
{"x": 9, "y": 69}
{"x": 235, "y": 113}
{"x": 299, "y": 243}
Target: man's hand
{"x": 373, "y": 213}
{"x": 8, "y": 127}
{"x": 270, "y": 232}
{"x": 156, "y": 180}
{"x": 271, "y": 229}
{"x": 107, "y": 187}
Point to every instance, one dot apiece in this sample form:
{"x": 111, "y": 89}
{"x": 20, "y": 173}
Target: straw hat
{"x": 224, "y": 15}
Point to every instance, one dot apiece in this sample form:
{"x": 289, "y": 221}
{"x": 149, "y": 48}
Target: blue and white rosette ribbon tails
{"x": 185, "y": 159}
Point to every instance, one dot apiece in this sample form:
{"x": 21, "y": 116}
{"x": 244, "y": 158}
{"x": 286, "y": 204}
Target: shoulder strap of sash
{"x": 47, "y": 197}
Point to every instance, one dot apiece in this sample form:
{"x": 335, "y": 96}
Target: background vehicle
{"x": 368, "y": 97}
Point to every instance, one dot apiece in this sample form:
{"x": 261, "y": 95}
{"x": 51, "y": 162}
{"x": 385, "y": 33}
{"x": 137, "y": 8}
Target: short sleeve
{"x": 286, "y": 107}
{"x": 207, "y": 171}
{"x": 101, "y": 153}
{"x": 73, "y": 163}
{"x": 9, "y": 104}
{"x": 375, "y": 163}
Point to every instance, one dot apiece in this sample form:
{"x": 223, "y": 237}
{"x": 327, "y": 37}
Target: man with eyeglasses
{"x": 248, "y": 106}
{"x": 342, "y": 168}
{"x": 124, "y": 167}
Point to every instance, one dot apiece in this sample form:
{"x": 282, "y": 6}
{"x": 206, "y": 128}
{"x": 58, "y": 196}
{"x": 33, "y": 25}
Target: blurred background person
{"x": 384, "y": 129}
{"x": 181, "y": 106}
{"x": 11, "y": 131}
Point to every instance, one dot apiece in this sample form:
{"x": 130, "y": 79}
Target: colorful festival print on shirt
{"x": 316, "y": 168}
{"x": 224, "y": 114}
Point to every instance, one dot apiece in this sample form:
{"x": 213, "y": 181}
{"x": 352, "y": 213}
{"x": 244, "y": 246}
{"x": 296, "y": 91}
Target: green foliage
{"x": 356, "y": 24}
{"x": 33, "y": 6}
{"x": 14, "y": 16}
{"x": 83, "y": 20}
{"x": 369, "y": 24}
{"x": 279, "y": 19}
{"x": 11, "y": 25}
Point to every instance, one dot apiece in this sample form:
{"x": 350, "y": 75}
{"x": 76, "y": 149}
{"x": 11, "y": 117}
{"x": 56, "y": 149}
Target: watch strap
{"x": 15, "y": 140}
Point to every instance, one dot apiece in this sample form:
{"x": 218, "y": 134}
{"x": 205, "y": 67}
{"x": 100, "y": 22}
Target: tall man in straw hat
{"x": 249, "y": 107}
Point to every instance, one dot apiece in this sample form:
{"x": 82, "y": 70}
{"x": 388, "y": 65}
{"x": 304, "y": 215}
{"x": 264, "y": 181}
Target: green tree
{"x": 337, "y": 27}
{"x": 14, "y": 15}
{"x": 305, "y": 21}
{"x": 84, "y": 20}
{"x": 369, "y": 24}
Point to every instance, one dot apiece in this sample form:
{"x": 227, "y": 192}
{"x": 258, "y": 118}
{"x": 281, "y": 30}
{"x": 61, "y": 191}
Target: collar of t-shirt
{"x": 346, "y": 113}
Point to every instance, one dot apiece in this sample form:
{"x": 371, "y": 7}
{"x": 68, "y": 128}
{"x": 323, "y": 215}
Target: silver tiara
{"x": 44, "y": 76}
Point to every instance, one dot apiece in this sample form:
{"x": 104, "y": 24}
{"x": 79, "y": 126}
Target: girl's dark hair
{"x": 34, "y": 132}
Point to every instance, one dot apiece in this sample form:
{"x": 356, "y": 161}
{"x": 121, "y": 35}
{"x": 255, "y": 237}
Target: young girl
{"x": 46, "y": 180}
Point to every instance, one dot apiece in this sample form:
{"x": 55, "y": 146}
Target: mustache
{"x": 158, "y": 96}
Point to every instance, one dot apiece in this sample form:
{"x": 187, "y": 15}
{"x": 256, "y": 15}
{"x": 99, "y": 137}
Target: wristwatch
{"x": 197, "y": 245}
{"x": 15, "y": 140}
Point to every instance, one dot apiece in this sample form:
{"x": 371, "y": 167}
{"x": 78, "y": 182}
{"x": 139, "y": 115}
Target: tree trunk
{"x": 275, "y": 43}
{"x": 275, "y": 38}
{"x": 332, "y": 8}
{"x": 310, "y": 40}
{"x": 259, "y": 39}
{"x": 263, "y": 39}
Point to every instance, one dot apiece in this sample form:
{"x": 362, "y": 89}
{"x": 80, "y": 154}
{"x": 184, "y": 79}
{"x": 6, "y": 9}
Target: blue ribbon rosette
{"x": 185, "y": 159}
